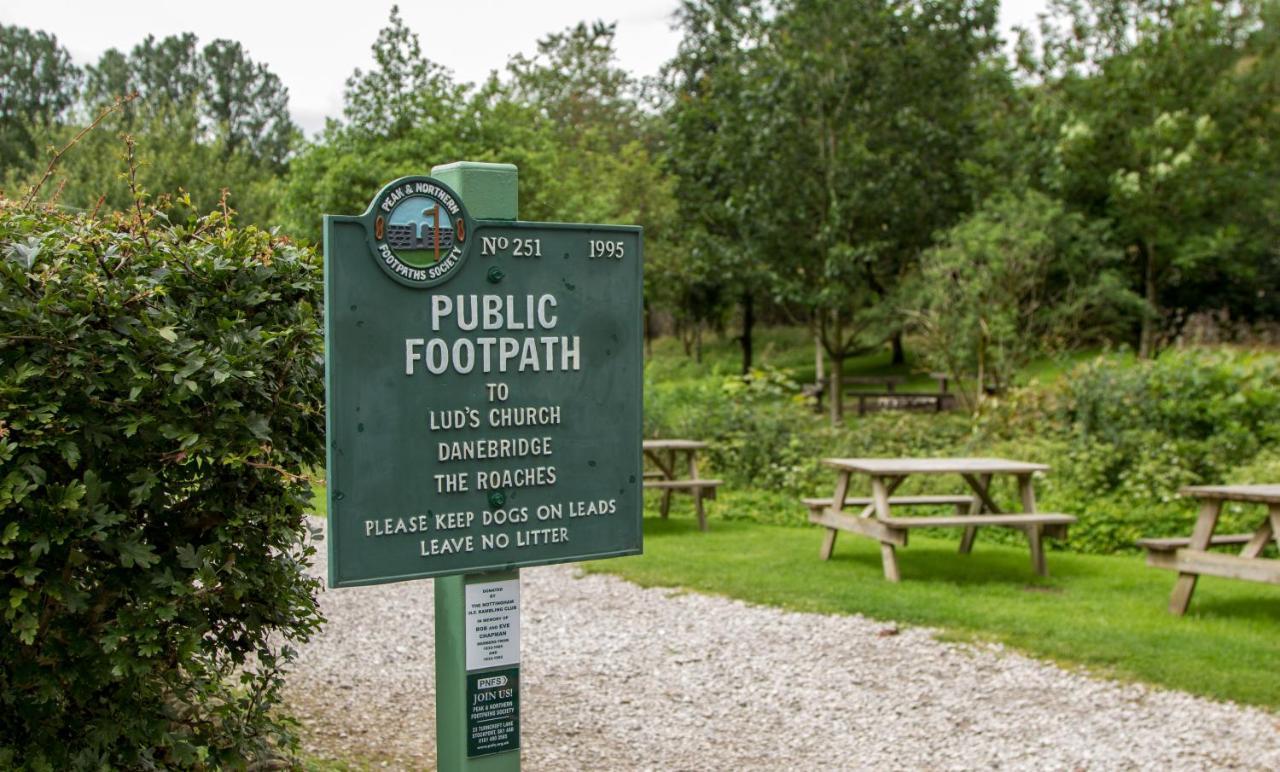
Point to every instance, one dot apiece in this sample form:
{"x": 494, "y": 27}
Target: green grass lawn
{"x": 1106, "y": 613}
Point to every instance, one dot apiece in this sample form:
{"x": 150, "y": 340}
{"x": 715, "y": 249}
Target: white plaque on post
{"x": 493, "y": 624}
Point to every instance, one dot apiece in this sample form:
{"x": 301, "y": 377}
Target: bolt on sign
{"x": 483, "y": 389}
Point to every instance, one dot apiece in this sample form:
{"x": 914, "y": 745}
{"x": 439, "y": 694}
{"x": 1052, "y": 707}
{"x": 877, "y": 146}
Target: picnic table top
{"x": 673, "y": 445}
{"x": 874, "y": 379}
{"x": 906, "y": 466}
{"x": 1266, "y": 494}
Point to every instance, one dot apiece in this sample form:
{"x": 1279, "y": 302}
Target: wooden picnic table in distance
{"x": 889, "y": 398}
{"x": 1191, "y": 557}
{"x": 664, "y": 455}
{"x": 878, "y": 521}
{"x": 886, "y": 382}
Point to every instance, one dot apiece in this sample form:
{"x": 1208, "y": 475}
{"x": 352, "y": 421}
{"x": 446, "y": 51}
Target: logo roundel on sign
{"x": 418, "y": 231}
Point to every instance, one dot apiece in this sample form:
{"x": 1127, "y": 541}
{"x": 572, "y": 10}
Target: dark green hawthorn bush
{"x": 161, "y": 390}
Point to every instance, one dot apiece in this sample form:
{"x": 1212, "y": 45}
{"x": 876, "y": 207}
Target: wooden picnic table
{"x": 890, "y": 398}
{"x": 878, "y": 521}
{"x": 1191, "y": 557}
{"x": 903, "y": 400}
{"x": 887, "y": 397}
{"x": 666, "y": 475}
{"x": 887, "y": 382}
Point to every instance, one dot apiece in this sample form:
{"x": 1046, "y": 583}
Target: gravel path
{"x": 619, "y": 677}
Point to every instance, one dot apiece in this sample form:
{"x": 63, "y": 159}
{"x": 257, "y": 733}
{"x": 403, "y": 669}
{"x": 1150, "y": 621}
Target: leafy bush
{"x": 1019, "y": 277}
{"x": 1134, "y": 433}
{"x": 1121, "y": 437}
{"x": 763, "y": 433}
{"x": 160, "y": 395}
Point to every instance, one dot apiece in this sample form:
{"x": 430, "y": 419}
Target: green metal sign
{"x": 483, "y": 389}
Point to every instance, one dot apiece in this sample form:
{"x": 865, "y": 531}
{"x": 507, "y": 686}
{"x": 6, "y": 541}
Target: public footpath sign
{"x": 483, "y": 395}
{"x": 483, "y": 389}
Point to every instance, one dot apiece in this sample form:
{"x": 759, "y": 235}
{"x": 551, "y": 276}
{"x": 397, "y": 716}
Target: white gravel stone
{"x": 616, "y": 677}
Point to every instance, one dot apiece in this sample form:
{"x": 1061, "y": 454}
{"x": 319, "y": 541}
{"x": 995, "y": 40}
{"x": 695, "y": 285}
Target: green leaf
{"x": 257, "y": 424}
{"x": 134, "y": 552}
{"x": 70, "y": 452}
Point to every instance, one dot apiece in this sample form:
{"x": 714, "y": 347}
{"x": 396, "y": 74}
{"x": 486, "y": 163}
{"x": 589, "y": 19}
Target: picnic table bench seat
{"x": 1174, "y": 543}
{"x": 1052, "y": 524}
{"x": 707, "y": 486}
{"x": 964, "y": 521}
{"x": 957, "y": 500}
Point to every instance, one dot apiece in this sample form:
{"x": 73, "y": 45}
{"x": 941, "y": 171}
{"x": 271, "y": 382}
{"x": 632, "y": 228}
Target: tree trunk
{"x": 748, "y": 323}
{"x": 819, "y": 377}
{"x": 697, "y": 342}
{"x": 648, "y": 332}
{"x": 980, "y": 393}
{"x": 1147, "y": 341}
{"x": 836, "y": 397}
{"x": 899, "y": 356}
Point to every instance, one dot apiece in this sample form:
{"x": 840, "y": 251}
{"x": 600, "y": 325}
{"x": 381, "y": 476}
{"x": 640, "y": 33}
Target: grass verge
{"x": 1106, "y": 613}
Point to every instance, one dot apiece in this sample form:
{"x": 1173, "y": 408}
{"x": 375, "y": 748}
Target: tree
{"x": 38, "y": 85}
{"x": 238, "y": 104}
{"x": 592, "y": 172}
{"x": 710, "y": 150}
{"x": 399, "y": 118}
{"x": 405, "y": 90}
{"x": 1166, "y": 114}
{"x": 861, "y": 156}
{"x": 1018, "y": 278}
{"x": 574, "y": 82}
{"x": 204, "y": 120}
{"x": 247, "y": 104}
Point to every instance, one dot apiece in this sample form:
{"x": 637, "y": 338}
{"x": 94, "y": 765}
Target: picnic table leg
{"x": 980, "y": 485}
{"x": 697, "y": 492}
{"x": 1259, "y": 540}
{"x": 889, "y": 558}
{"x": 1186, "y": 584}
{"x": 1035, "y": 537}
{"x": 669, "y": 471}
{"x": 828, "y": 544}
{"x": 1270, "y": 529}
{"x": 1273, "y": 514}
{"x": 1035, "y": 533}
{"x": 837, "y": 503}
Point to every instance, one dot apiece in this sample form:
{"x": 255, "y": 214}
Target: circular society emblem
{"x": 419, "y": 231}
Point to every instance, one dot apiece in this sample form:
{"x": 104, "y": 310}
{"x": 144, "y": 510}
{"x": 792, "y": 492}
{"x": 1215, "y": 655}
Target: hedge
{"x": 161, "y": 396}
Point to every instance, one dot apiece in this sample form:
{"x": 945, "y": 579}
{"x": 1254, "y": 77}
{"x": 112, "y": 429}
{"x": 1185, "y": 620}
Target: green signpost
{"x": 483, "y": 381}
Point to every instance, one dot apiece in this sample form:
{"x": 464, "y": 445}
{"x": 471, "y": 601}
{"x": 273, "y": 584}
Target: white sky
{"x": 314, "y": 46}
